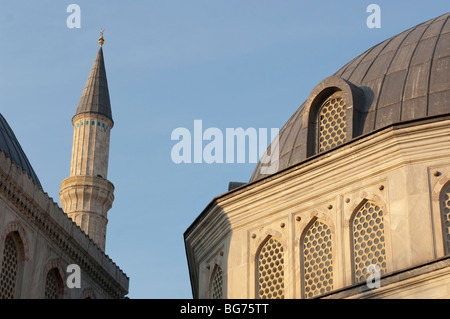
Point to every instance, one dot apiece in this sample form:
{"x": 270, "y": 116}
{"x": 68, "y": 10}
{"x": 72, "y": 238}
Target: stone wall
{"x": 52, "y": 240}
{"x": 402, "y": 169}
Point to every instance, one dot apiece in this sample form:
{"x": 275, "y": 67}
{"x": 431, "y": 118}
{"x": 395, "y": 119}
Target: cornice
{"x": 399, "y": 141}
{"x": 401, "y": 280}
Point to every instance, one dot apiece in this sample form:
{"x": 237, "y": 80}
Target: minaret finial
{"x": 101, "y": 40}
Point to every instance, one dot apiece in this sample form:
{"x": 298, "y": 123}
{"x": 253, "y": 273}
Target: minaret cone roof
{"x": 95, "y": 97}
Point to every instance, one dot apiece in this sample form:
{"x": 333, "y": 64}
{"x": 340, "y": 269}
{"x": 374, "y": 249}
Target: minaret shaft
{"x": 90, "y": 149}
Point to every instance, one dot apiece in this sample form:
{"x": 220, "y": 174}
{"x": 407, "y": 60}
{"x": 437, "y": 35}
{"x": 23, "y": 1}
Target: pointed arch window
{"x": 445, "y": 217}
{"x": 368, "y": 241}
{"x": 11, "y": 267}
{"x": 317, "y": 260}
{"x": 270, "y": 270}
{"x": 217, "y": 283}
{"x": 331, "y": 122}
{"x": 53, "y": 285}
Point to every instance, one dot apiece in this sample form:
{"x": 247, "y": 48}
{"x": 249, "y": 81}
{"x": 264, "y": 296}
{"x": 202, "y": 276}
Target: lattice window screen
{"x": 52, "y": 285}
{"x": 317, "y": 260}
{"x": 368, "y": 240}
{"x": 332, "y": 123}
{"x": 217, "y": 288}
{"x": 271, "y": 270}
{"x": 8, "y": 277}
{"x": 445, "y": 215}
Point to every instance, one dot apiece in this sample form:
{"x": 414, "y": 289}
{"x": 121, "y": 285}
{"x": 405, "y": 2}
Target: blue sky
{"x": 246, "y": 63}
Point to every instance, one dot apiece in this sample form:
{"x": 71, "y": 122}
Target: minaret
{"x": 86, "y": 195}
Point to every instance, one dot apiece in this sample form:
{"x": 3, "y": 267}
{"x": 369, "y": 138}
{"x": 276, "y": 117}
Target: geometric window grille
{"x": 332, "y": 123}
{"x": 8, "y": 277}
{"x": 368, "y": 241}
{"x": 271, "y": 270}
{"x": 53, "y": 285}
{"x": 217, "y": 284}
{"x": 317, "y": 260}
{"x": 445, "y": 217}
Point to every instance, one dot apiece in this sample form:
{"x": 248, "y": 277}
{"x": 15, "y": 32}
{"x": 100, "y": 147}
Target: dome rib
{"x": 407, "y": 33}
{"x": 430, "y": 73}
{"x": 409, "y": 66}
{"x": 403, "y": 78}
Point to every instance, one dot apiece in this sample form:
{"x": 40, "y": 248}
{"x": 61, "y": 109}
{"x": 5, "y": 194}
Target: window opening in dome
{"x": 331, "y": 123}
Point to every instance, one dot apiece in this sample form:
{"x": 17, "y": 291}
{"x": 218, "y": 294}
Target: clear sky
{"x": 229, "y": 63}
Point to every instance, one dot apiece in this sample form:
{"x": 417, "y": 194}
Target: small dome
{"x": 401, "y": 79}
{"x": 11, "y": 147}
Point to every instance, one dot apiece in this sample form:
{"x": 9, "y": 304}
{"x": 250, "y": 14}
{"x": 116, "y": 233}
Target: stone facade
{"x": 360, "y": 204}
{"x": 403, "y": 169}
{"x": 48, "y": 240}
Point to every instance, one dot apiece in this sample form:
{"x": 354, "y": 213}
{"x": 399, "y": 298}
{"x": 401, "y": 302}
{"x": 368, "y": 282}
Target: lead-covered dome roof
{"x": 11, "y": 147}
{"x": 403, "y": 78}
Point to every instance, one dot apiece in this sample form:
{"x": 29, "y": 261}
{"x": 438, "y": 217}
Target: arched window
{"x": 11, "y": 266}
{"x": 317, "y": 260}
{"x": 368, "y": 241}
{"x": 331, "y": 122}
{"x": 216, "y": 283}
{"x": 445, "y": 217}
{"x": 54, "y": 288}
{"x": 270, "y": 270}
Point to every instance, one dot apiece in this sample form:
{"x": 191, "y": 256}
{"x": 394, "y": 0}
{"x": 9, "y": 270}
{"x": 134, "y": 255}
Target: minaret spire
{"x": 86, "y": 195}
{"x": 95, "y": 96}
{"x": 101, "y": 40}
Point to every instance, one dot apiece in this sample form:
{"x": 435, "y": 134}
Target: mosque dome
{"x": 11, "y": 147}
{"x": 403, "y": 79}
{"x": 356, "y": 183}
